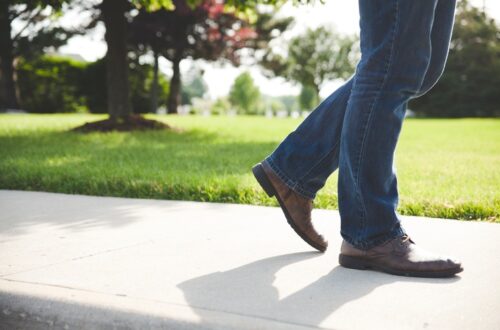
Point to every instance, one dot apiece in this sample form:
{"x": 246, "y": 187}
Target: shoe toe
{"x": 452, "y": 263}
{"x": 324, "y": 242}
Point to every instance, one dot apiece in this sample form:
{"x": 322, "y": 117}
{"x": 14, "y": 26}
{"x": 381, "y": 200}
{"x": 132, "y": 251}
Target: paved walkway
{"x": 78, "y": 262}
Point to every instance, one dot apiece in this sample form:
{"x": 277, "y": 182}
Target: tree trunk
{"x": 154, "y": 87}
{"x": 316, "y": 90}
{"x": 174, "y": 96}
{"x": 8, "y": 97}
{"x": 119, "y": 106}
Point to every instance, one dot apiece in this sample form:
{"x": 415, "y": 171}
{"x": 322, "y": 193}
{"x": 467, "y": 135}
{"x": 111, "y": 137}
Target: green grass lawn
{"x": 446, "y": 168}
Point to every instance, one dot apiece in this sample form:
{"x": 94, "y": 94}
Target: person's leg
{"x": 396, "y": 54}
{"x": 442, "y": 28}
{"x": 368, "y": 196}
{"x": 310, "y": 154}
{"x": 306, "y": 158}
{"x": 304, "y": 153}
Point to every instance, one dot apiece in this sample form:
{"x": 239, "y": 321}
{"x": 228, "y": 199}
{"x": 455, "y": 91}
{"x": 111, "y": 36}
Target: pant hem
{"x": 368, "y": 244}
{"x": 292, "y": 184}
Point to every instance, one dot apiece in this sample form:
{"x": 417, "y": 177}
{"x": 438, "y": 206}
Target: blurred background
{"x": 179, "y": 98}
{"x": 274, "y": 60}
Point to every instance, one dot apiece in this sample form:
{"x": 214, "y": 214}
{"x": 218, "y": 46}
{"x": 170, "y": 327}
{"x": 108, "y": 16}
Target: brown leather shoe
{"x": 399, "y": 256}
{"x": 297, "y": 208}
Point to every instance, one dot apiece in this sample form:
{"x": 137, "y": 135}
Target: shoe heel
{"x": 352, "y": 262}
{"x": 262, "y": 179}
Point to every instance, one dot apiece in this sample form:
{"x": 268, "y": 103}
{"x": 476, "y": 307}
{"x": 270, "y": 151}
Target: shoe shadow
{"x": 248, "y": 290}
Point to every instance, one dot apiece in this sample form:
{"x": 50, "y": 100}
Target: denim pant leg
{"x": 442, "y": 28}
{"x": 396, "y": 54}
{"x": 308, "y": 155}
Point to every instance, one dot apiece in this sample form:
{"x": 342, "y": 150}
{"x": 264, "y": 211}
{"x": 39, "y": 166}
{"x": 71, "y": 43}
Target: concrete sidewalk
{"x": 79, "y": 262}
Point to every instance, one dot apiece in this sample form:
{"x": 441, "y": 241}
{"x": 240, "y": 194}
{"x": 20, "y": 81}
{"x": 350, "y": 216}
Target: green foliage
{"x": 153, "y": 5}
{"x": 244, "y": 4}
{"x": 244, "y": 95}
{"x": 441, "y": 170}
{"x": 276, "y": 106}
{"x": 94, "y": 86}
{"x": 470, "y": 83}
{"x": 140, "y": 81}
{"x": 221, "y": 106}
{"x": 288, "y": 103}
{"x": 33, "y": 46}
{"x": 50, "y": 84}
{"x": 32, "y": 4}
{"x": 195, "y": 87}
{"x": 246, "y": 8}
{"x": 34, "y": 29}
{"x": 308, "y": 98}
{"x": 314, "y": 57}
{"x": 268, "y": 25}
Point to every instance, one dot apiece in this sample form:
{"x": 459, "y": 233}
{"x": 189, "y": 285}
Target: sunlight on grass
{"x": 446, "y": 168}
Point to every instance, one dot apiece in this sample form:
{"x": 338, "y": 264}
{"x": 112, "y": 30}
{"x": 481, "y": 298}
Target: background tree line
{"x": 48, "y": 84}
{"x": 211, "y": 30}
{"x": 470, "y": 85}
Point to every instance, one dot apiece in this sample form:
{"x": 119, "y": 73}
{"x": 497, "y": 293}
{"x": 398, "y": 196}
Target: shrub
{"x": 50, "y": 84}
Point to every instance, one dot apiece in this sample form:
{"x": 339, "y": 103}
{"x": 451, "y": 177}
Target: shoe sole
{"x": 364, "y": 264}
{"x": 265, "y": 183}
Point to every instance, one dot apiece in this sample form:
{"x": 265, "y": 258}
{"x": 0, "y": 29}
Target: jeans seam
{"x": 420, "y": 91}
{"x": 370, "y": 116}
{"x": 292, "y": 184}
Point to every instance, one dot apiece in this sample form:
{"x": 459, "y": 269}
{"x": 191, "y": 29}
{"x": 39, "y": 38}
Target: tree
{"x": 29, "y": 12}
{"x": 93, "y": 86}
{"x": 50, "y": 83}
{"x": 220, "y": 106}
{"x": 8, "y": 98}
{"x": 469, "y": 86}
{"x": 113, "y": 14}
{"x": 194, "y": 87}
{"x": 249, "y": 5}
{"x": 117, "y": 76}
{"x": 114, "y": 20}
{"x": 203, "y": 32}
{"x": 267, "y": 27}
{"x": 308, "y": 98}
{"x": 312, "y": 58}
{"x": 244, "y": 95}
{"x": 119, "y": 106}
{"x": 289, "y": 102}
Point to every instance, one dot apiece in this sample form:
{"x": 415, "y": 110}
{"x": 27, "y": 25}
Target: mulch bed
{"x": 132, "y": 123}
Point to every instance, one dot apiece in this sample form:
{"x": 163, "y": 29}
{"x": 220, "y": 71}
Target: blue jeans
{"x": 404, "y": 47}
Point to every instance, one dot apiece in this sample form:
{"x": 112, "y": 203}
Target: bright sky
{"x": 340, "y": 14}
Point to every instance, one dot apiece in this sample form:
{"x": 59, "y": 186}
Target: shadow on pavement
{"x": 34, "y": 313}
{"x": 248, "y": 290}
